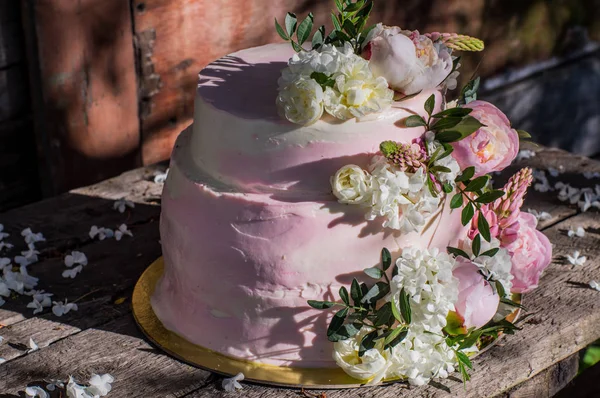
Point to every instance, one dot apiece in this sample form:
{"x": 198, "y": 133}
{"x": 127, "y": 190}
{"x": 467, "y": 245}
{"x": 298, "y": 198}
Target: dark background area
{"x": 91, "y": 88}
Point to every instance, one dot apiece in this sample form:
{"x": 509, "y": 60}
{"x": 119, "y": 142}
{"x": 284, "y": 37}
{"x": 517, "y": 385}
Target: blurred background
{"x": 91, "y": 88}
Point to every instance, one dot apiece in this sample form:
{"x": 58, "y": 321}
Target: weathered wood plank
{"x": 82, "y": 59}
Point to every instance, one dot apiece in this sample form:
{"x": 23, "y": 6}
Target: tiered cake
{"x": 250, "y": 229}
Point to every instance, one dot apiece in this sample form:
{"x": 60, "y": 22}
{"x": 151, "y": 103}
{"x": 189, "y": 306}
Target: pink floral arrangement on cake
{"x": 428, "y": 311}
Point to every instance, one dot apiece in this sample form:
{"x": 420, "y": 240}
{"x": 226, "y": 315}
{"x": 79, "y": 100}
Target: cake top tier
{"x": 240, "y": 139}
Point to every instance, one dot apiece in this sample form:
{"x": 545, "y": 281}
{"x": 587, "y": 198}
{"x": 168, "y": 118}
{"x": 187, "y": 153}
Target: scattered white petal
{"x": 591, "y": 174}
{"x": 233, "y": 383}
{"x": 540, "y": 216}
{"x": 75, "y": 258}
{"x": 72, "y": 273}
{"x": 542, "y": 184}
{"x": 75, "y": 390}
{"x": 525, "y": 154}
{"x": 1, "y": 339}
{"x": 2, "y": 233}
{"x": 32, "y": 346}
{"x": 579, "y": 232}
{"x": 31, "y": 237}
{"x": 27, "y": 257}
{"x": 5, "y": 245}
{"x": 36, "y": 305}
{"x": 101, "y": 232}
{"x": 59, "y": 308}
{"x": 2, "y": 360}
{"x": 575, "y": 259}
{"x": 36, "y": 392}
{"x": 161, "y": 178}
{"x": 123, "y": 204}
{"x": 553, "y": 172}
{"x": 119, "y": 233}
{"x": 53, "y": 384}
{"x": 100, "y": 385}
{"x": 5, "y": 262}
{"x": 595, "y": 285}
{"x": 2, "y": 302}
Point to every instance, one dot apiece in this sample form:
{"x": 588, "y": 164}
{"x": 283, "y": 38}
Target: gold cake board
{"x": 195, "y": 355}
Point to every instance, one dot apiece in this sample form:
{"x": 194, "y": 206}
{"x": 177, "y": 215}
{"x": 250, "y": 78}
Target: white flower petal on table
{"x": 540, "y": 216}
{"x": 122, "y": 231}
{"x": 75, "y": 258}
{"x": 32, "y": 346}
{"x": 2, "y": 233}
{"x": 5, "y": 245}
{"x": 591, "y": 174}
{"x": 59, "y": 308}
{"x": 72, "y": 273}
{"x": 99, "y": 385}
{"x": 576, "y": 259}
{"x": 579, "y": 232}
{"x": 553, "y": 172}
{"x": 122, "y": 204}
{"x": 36, "y": 392}
{"x": 27, "y": 257}
{"x": 31, "y": 237}
{"x": 36, "y": 305}
{"x": 161, "y": 177}
{"x": 101, "y": 232}
{"x": 232, "y": 384}
{"x": 525, "y": 154}
{"x": 595, "y": 285}
{"x": 53, "y": 384}
{"x": 4, "y": 262}
{"x": 75, "y": 390}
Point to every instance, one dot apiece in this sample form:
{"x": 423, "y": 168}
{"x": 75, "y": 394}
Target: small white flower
{"x": 232, "y": 384}
{"x": 352, "y": 185}
{"x": 75, "y": 258}
{"x": 42, "y": 297}
{"x": 27, "y": 257}
{"x": 543, "y": 185}
{"x": 99, "y": 385}
{"x": 595, "y": 285}
{"x": 36, "y": 305}
{"x": 36, "y": 392}
{"x": 59, "y": 308}
{"x": 101, "y": 232}
{"x": 2, "y": 360}
{"x": 123, "y": 204}
{"x": 32, "y": 238}
{"x": 161, "y": 177}
{"x": 5, "y": 245}
{"x": 5, "y": 262}
{"x": 122, "y": 231}
{"x": 580, "y": 232}
{"x": 72, "y": 273}
{"x": 301, "y": 101}
{"x": 75, "y": 390}
{"x": 2, "y": 233}
{"x": 575, "y": 259}
{"x": 32, "y": 346}
{"x": 19, "y": 281}
{"x": 588, "y": 198}
{"x": 525, "y": 154}
{"x": 53, "y": 384}
{"x": 540, "y": 216}
{"x": 4, "y": 289}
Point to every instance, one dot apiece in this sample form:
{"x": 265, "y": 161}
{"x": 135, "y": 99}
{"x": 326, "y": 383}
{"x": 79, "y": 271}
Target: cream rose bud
{"x": 352, "y": 185}
{"x": 491, "y": 148}
{"x": 477, "y": 303}
{"x": 410, "y": 62}
{"x": 301, "y": 100}
{"x": 531, "y": 253}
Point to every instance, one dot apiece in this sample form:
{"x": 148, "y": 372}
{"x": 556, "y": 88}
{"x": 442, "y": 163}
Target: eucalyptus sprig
{"x": 349, "y": 22}
{"x": 359, "y": 309}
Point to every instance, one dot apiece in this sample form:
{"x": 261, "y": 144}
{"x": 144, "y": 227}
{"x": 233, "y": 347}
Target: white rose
{"x": 372, "y": 366}
{"x": 410, "y": 62}
{"x": 351, "y": 185}
{"x": 301, "y": 101}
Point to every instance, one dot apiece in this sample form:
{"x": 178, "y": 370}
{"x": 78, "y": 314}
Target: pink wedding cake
{"x": 301, "y": 165}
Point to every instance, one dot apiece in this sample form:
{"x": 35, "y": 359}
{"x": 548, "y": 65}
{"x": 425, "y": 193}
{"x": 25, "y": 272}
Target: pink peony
{"x": 491, "y": 148}
{"x": 531, "y": 253}
{"x": 409, "y": 61}
{"x": 477, "y": 303}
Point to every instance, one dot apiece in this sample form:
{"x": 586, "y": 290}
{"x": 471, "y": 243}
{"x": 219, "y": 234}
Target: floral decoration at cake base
{"x": 195, "y": 355}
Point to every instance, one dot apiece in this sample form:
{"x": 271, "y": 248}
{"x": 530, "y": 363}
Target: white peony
{"x": 351, "y": 185}
{"x": 301, "y": 101}
{"x": 409, "y": 61}
{"x": 357, "y": 92}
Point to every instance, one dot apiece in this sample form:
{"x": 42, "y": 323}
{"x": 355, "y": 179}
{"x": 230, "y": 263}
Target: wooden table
{"x": 102, "y": 337}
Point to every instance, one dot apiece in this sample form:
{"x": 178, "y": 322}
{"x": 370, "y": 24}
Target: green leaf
{"x": 430, "y": 104}
{"x": 467, "y": 126}
{"x": 464, "y": 359}
{"x": 523, "y": 135}
{"x": 394, "y": 338}
{"x": 322, "y": 79}
{"x": 354, "y": 6}
{"x": 477, "y": 184}
{"x": 296, "y": 47}
{"x": 318, "y": 37}
{"x": 491, "y": 252}
{"x": 440, "y": 169}
{"x": 457, "y": 252}
{"x": 384, "y": 315}
{"x": 396, "y": 311}
{"x": 344, "y": 332}
{"x": 415, "y": 121}
{"x": 467, "y": 214}
{"x": 447, "y": 187}
{"x": 453, "y": 112}
{"x": 344, "y": 295}
{"x": 448, "y": 149}
{"x": 290, "y": 23}
{"x": 466, "y": 175}
{"x": 336, "y": 23}
{"x": 454, "y": 324}
{"x": 448, "y": 136}
{"x": 490, "y": 196}
{"x": 405, "y": 306}
{"x": 476, "y": 246}
{"x": 377, "y": 291}
{"x": 431, "y": 186}
{"x": 355, "y": 292}
{"x": 469, "y": 91}
{"x": 386, "y": 259}
{"x": 337, "y": 321}
{"x": 374, "y": 272}
{"x": 281, "y": 32}
{"x": 321, "y": 305}
{"x": 367, "y": 343}
{"x": 446, "y": 123}
{"x": 395, "y": 271}
{"x": 305, "y": 28}
{"x": 470, "y": 340}
{"x": 484, "y": 227}
{"x": 500, "y": 289}
{"x": 366, "y": 11}
{"x": 456, "y": 201}
{"x": 339, "y": 5}
{"x": 349, "y": 28}
{"x": 512, "y": 303}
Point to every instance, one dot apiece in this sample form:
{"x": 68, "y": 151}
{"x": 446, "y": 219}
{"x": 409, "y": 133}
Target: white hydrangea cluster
{"x": 402, "y": 198}
{"x": 426, "y": 275}
{"x": 354, "y": 90}
{"x": 496, "y": 267}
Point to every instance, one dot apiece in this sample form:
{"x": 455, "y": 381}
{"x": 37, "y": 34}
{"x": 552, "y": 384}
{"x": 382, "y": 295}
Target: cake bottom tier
{"x": 239, "y": 268}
